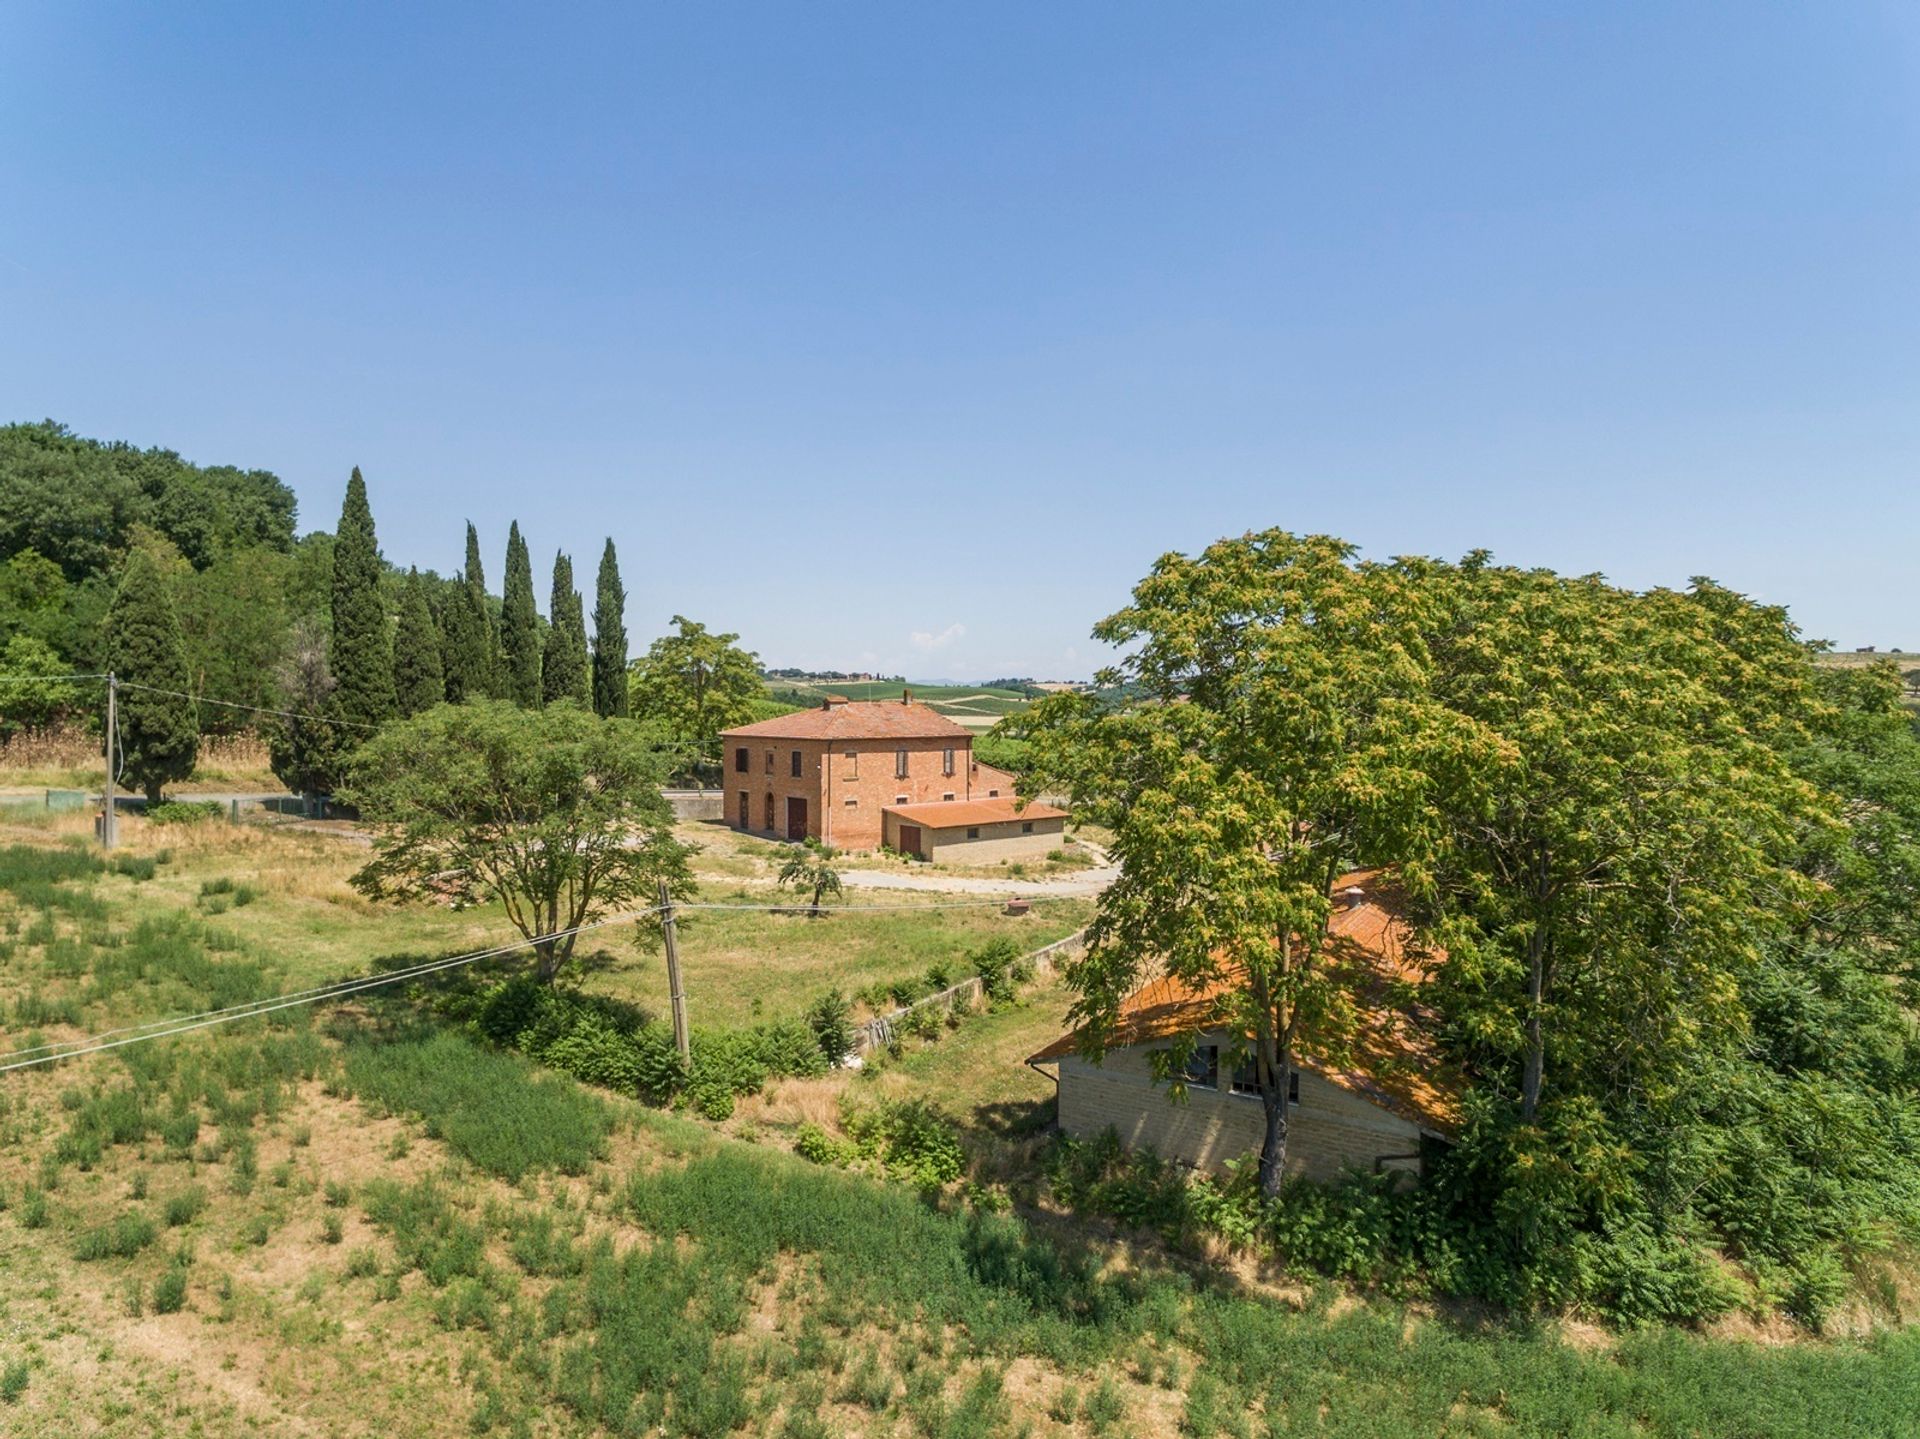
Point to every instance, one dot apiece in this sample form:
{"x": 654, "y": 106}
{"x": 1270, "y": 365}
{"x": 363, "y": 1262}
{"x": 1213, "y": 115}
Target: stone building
{"x": 1378, "y": 1107}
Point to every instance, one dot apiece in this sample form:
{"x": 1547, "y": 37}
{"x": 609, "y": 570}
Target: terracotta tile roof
{"x": 952, "y": 813}
{"x": 856, "y": 720}
{"x": 1392, "y": 1062}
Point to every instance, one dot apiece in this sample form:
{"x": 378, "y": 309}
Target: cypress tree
{"x": 519, "y": 626}
{"x": 487, "y": 621}
{"x": 563, "y": 666}
{"x": 361, "y": 654}
{"x": 419, "y": 682}
{"x": 159, "y": 733}
{"x": 610, "y": 639}
{"x": 466, "y": 632}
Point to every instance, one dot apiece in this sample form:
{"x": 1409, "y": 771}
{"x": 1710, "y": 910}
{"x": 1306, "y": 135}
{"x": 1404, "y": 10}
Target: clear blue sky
{"x": 907, "y": 336}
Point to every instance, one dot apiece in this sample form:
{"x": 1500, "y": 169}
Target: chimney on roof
{"x": 828, "y": 702}
{"x": 1352, "y": 897}
{"x": 906, "y": 696}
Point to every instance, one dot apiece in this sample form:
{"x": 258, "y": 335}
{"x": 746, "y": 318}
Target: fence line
{"x": 878, "y": 1033}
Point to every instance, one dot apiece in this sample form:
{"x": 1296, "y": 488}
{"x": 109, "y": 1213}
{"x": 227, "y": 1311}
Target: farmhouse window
{"x": 947, "y": 795}
{"x": 1245, "y": 1083}
{"x": 993, "y": 794}
{"x": 899, "y": 764}
{"x": 796, "y": 764}
{"x": 946, "y": 763}
{"x": 769, "y": 811}
{"x": 853, "y": 764}
{"x": 769, "y": 761}
{"x": 746, "y": 812}
{"x": 740, "y": 762}
{"x": 1203, "y": 1068}
{"x": 899, "y": 799}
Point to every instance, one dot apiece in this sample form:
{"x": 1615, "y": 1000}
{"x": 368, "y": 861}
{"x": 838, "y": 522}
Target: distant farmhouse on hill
{"x": 861, "y": 773}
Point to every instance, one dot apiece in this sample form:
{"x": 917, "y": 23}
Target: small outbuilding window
{"x": 1244, "y": 1083}
{"x": 973, "y": 831}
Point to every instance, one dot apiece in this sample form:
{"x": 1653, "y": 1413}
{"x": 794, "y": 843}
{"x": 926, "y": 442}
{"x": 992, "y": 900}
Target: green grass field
{"x": 357, "y": 1220}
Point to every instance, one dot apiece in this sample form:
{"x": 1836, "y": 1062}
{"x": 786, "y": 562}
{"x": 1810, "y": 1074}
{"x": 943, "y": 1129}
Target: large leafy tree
{"x": 306, "y": 747}
{"x": 563, "y": 662}
{"x": 31, "y": 694}
{"x": 696, "y": 683}
{"x": 1285, "y": 731}
{"x": 77, "y": 501}
{"x": 1625, "y": 866}
{"x": 554, "y": 813}
{"x": 234, "y": 621}
{"x": 519, "y": 626}
{"x": 361, "y": 652}
{"x": 418, "y": 681}
{"x": 610, "y": 638}
{"x": 158, "y": 723}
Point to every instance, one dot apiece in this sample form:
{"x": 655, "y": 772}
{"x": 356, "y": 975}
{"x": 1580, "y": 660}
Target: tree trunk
{"x": 1534, "y": 1069}
{"x": 153, "y": 788}
{"x": 1273, "y": 1148}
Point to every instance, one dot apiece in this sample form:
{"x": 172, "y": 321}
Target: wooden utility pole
{"x": 674, "y": 992}
{"x": 113, "y": 728}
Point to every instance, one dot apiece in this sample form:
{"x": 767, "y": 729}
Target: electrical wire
{"x": 185, "y": 1024}
{"x": 168, "y": 1028}
{"x": 46, "y": 679}
{"x": 253, "y": 709}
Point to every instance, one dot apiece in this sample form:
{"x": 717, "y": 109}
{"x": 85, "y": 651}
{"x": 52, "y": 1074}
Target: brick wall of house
{"x": 845, "y": 783}
{"x": 1328, "y": 1130}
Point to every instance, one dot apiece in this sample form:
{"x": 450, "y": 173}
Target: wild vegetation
{"x": 1662, "y": 867}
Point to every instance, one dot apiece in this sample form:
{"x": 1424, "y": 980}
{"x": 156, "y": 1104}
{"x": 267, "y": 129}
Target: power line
{"x": 254, "y": 709}
{"x": 46, "y": 679}
{"x": 40, "y": 1054}
{"x": 95, "y": 1044}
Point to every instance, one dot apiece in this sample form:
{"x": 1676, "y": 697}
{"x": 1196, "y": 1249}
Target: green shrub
{"x": 136, "y": 867}
{"x": 170, "y": 1290}
{"x": 332, "y": 1230}
{"x": 122, "y": 1238}
{"x": 995, "y": 963}
{"x": 813, "y": 1142}
{"x": 13, "y": 1381}
{"x": 33, "y": 1208}
{"x": 830, "y": 1018}
{"x": 193, "y": 811}
{"x": 428, "y": 1231}
{"x": 185, "y": 1207}
{"x": 911, "y": 1138}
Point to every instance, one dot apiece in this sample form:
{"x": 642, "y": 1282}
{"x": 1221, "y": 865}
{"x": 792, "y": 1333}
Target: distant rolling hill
{"x": 977, "y": 707}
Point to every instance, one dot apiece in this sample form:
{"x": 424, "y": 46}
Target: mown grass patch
{"x": 495, "y": 1109}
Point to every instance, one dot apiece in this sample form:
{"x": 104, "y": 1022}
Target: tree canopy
{"x": 555, "y": 813}
{"x": 696, "y": 683}
{"x": 1663, "y": 870}
{"x": 159, "y": 731}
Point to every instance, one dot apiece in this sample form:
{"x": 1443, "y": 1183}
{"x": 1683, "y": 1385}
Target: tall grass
{"x": 496, "y": 1109}
{"x": 887, "y": 1257}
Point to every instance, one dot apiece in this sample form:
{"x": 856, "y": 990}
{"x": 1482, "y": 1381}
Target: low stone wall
{"x": 878, "y": 1033}
{"x": 697, "y": 803}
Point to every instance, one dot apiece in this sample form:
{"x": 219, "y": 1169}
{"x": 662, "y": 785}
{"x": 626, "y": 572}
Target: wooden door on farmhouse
{"x": 910, "y": 840}
{"x": 796, "y": 817}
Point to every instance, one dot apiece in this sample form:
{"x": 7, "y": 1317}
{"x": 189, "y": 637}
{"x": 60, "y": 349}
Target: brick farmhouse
{"x": 1377, "y": 1108}
{"x": 857, "y": 774}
